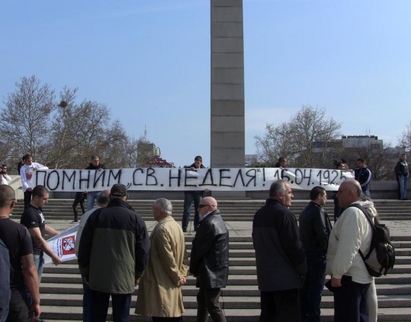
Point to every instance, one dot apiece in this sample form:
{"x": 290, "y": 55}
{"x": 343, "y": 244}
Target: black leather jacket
{"x": 315, "y": 228}
{"x": 209, "y": 253}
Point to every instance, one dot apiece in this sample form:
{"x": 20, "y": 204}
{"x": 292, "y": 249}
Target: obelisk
{"x": 227, "y": 85}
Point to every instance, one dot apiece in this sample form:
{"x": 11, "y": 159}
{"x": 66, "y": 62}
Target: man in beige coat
{"x": 159, "y": 291}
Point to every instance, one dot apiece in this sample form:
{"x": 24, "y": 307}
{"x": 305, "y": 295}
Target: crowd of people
{"x": 292, "y": 260}
{"x": 116, "y": 253}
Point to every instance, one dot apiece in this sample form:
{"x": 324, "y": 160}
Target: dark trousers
{"x": 27, "y": 198}
{"x": 78, "y": 199}
{"x": 399, "y": 187}
{"x": 208, "y": 303}
{"x": 99, "y": 306}
{"x": 280, "y": 306}
{"x": 337, "y": 209}
{"x": 86, "y": 302}
{"x": 310, "y": 294}
{"x": 162, "y": 319}
{"x": 350, "y": 302}
{"x": 19, "y": 306}
{"x": 189, "y": 198}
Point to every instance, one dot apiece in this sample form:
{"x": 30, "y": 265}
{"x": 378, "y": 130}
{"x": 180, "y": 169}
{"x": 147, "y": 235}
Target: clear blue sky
{"x": 149, "y": 62}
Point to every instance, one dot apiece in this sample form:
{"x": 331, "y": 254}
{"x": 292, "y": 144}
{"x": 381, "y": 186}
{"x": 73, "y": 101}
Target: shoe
{"x": 74, "y": 221}
{"x": 184, "y": 230}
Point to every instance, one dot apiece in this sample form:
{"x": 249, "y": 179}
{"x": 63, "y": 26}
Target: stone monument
{"x": 227, "y": 86}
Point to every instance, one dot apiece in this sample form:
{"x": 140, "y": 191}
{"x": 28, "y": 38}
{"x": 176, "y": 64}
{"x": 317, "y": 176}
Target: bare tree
{"x": 64, "y": 129}
{"x": 64, "y": 133}
{"x": 25, "y": 122}
{"x": 307, "y": 131}
{"x": 114, "y": 145}
{"x": 404, "y": 140}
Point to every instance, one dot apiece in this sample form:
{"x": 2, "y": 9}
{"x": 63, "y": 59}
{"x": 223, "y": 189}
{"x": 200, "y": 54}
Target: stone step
{"x": 399, "y": 279}
{"x": 61, "y": 208}
{"x": 239, "y": 302}
{"x": 230, "y": 290}
{"x": 66, "y": 314}
{"x": 61, "y": 286}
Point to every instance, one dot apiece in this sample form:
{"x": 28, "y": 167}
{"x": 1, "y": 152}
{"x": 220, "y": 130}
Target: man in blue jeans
{"x": 192, "y": 196}
{"x": 315, "y": 228}
{"x": 33, "y": 219}
{"x": 401, "y": 172}
{"x": 92, "y": 195}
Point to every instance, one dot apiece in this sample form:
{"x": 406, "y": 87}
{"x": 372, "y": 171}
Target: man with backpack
{"x": 18, "y": 241}
{"x": 350, "y": 279}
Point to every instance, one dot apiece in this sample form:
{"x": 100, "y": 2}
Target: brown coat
{"x": 159, "y": 292}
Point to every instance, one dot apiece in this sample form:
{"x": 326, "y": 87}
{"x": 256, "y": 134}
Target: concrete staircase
{"x": 61, "y": 288}
{"x": 232, "y": 210}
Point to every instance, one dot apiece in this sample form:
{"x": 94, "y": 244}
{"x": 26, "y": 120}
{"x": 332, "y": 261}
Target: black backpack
{"x": 381, "y": 256}
{"x": 5, "y": 291}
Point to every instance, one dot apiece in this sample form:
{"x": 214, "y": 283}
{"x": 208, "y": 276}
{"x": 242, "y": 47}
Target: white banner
{"x": 63, "y": 245}
{"x": 182, "y": 179}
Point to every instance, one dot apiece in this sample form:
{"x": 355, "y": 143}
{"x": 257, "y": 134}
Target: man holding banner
{"x": 191, "y": 197}
{"x": 33, "y": 219}
{"x": 93, "y": 165}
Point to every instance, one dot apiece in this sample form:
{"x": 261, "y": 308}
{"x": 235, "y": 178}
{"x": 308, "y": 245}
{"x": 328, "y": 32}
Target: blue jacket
{"x": 363, "y": 176}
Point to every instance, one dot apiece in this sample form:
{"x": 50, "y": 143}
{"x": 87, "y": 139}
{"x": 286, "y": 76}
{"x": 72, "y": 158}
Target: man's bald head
{"x": 210, "y": 201}
{"x": 7, "y": 195}
{"x": 103, "y": 198}
{"x": 349, "y": 192}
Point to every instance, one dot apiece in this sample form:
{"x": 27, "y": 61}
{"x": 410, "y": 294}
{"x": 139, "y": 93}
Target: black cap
{"x": 118, "y": 190}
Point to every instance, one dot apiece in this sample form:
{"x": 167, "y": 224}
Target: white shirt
{"x": 27, "y": 174}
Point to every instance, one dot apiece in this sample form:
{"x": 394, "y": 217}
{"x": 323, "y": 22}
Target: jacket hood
{"x": 369, "y": 207}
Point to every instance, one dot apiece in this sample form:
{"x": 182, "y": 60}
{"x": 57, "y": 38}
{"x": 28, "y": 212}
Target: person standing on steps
{"x": 93, "y": 165}
{"x": 192, "y": 196}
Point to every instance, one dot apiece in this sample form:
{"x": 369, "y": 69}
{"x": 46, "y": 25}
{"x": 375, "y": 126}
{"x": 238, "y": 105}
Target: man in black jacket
{"x": 191, "y": 197}
{"x": 209, "y": 260}
{"x": 112, "y": 256}
{"x": 315, "y": 228}
{"x": 280, "y": 257}
{"x": 401, "y": 173}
